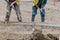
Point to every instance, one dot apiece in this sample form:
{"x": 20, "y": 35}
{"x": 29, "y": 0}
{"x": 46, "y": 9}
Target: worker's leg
{"x": 18, "y": 13}
{"x": 45, "y": 1}
{"x": 8, "y": 13}
{"x": 42, "y": 15}
{"x": 34, "y": 12}
{"x": 43, "y": 11}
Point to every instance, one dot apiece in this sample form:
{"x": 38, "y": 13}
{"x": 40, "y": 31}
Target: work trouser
{"x": 16, "y": 8}
{"x": 34, "y": 12}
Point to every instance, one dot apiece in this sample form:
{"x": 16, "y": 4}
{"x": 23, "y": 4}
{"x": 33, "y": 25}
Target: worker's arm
{"x": 36, "y": 5}
{"x": 13, "y": 3}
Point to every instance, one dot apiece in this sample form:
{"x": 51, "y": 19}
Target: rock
{"x": 37, "y": 35}
{"x": 52, "y": 37}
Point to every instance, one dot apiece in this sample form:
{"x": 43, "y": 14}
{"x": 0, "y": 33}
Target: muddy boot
{"x": 19, "y": 19}
{"x": 6, "y": 21}
{"x": 33, "y": 18}
{"x": 7, "y": 18}
{"x": 42, "y": 19}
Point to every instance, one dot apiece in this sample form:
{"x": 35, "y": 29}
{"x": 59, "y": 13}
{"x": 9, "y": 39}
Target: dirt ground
{"x": 24, "y": 29}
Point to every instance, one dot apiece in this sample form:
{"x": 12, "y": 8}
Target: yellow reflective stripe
{"x": 35, "y": 2}
{"x": 18, "y": 2}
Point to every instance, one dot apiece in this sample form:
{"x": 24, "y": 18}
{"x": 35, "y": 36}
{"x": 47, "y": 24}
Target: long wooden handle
{"x": 36, "y": 5}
